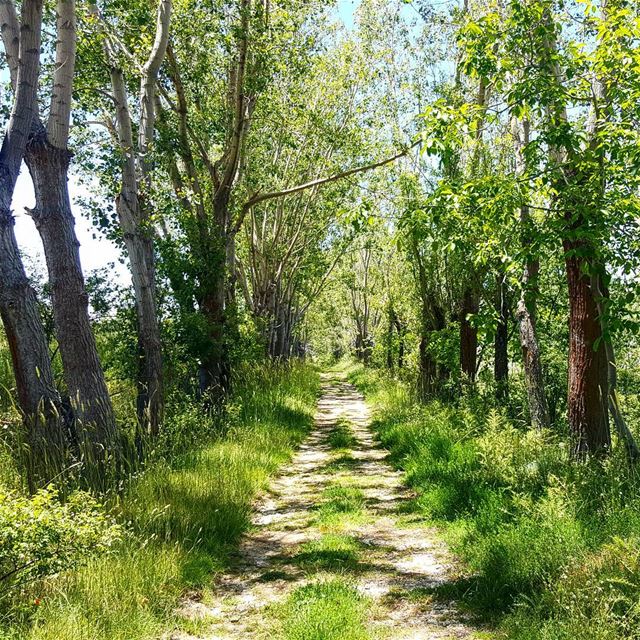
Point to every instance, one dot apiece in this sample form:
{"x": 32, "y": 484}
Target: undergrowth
{"x": 553, "y": 547}
{"x": 179, "y": 520}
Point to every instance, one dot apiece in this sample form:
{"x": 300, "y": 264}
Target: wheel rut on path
{"x": 401, "y": 560}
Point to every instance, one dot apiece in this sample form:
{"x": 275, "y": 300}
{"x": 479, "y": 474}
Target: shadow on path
{"x": 399, "y": 565}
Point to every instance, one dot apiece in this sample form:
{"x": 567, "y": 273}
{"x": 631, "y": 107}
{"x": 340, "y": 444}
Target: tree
{"x": 47, "y": 157}
{"x": 37, "y": 394}
{"x": 134, "y": 201}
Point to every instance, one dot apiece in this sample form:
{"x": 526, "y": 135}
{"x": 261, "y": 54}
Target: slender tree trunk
{"x": 390, "y": 329}
{"x": 400, "y": 330}
{"x": 138, "y": 238}
{"x": 468, "y": 335}
{"x": 150, "y": 394}
{"x": 588, "y": 390}
{"x": 526, "y": 307}
{"x": 501, "y": 357}
{"x": 82, "y": 370}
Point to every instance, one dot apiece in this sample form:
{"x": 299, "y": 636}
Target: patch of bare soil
{"x": 403, "y": 562}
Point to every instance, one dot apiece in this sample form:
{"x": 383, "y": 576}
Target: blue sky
{"x": 346, "y": 9}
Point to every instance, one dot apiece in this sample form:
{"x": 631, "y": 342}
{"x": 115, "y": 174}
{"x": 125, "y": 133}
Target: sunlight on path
{"x": 336, "y": 512}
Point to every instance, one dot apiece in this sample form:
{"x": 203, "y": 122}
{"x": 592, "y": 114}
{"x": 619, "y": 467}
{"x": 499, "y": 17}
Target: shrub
{"x": 41, "y": 535}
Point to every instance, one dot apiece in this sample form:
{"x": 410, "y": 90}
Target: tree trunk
{"x": 215, "y": 374}
{"x": 82, "y": 370}
{"x": 390, "y": 329}
{"x": 138, "y": 233}
{"x": 468, "y": 335}
{"x": 400, "y": 329}
{"x": 38, "y": 397}
{"x": 534, "y": 382}
{"x": 139, "y": 244}
{"x": 526, "y": 308}
{"x": 501, "y": 357}
{"x": 427, "y": 367}
{"x": 588, "y": 391}
{"x": 599, "y": 282}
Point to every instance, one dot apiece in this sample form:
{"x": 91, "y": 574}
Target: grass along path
{"x": 333, "y": 554}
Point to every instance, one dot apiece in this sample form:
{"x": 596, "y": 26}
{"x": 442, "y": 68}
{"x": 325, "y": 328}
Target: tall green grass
{"x": 553, "y": 547}
{"x": 184, "y": 517}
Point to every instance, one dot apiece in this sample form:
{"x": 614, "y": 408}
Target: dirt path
{"x": 344, "y": 497}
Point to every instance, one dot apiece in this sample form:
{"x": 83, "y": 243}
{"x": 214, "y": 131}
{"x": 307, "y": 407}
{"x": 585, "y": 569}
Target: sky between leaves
{"x": 95, "y": 250}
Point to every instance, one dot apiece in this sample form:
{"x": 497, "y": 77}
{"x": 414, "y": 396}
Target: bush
{"x": 41, "y": 535}
{"x": 597, "y": 597}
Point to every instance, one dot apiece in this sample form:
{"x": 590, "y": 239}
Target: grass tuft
{"x": 327, "y": 610}
{"x": 332, "y": 552}
{"x": 341, "y": 435}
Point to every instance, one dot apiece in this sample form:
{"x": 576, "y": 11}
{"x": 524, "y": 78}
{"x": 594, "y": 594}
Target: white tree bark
{"x": 60, "y": 109}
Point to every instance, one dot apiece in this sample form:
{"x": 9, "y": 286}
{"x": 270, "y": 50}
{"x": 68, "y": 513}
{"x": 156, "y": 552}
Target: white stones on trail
{"x": 401, "y": 563}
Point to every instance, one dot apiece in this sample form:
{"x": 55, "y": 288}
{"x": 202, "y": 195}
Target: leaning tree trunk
{"x": 82, "y": 369}
{"x": 588, "y": 391}
{"x": 501, "y": 344}
{"x": 38, "y": 397}
{"x": 468, "y": 335}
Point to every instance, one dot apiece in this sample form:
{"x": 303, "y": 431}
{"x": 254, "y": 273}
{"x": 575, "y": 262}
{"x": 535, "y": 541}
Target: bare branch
{"x": 150, "y": 77}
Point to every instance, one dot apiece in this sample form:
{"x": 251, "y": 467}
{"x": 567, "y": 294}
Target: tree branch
{"x": 150, "y": 78}
{"x": 60, "y": 110}
{"x": 258, "y": 198}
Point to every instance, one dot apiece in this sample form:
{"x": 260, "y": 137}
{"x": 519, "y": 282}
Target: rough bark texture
{"x": 37, "y": 395}
{"x": 501, "y": 355}
{"x": 588, "y": 391}
{"x": 82, "y": 369}
{"x": 468, "y": 335}
{"x": 532, "y": 363}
